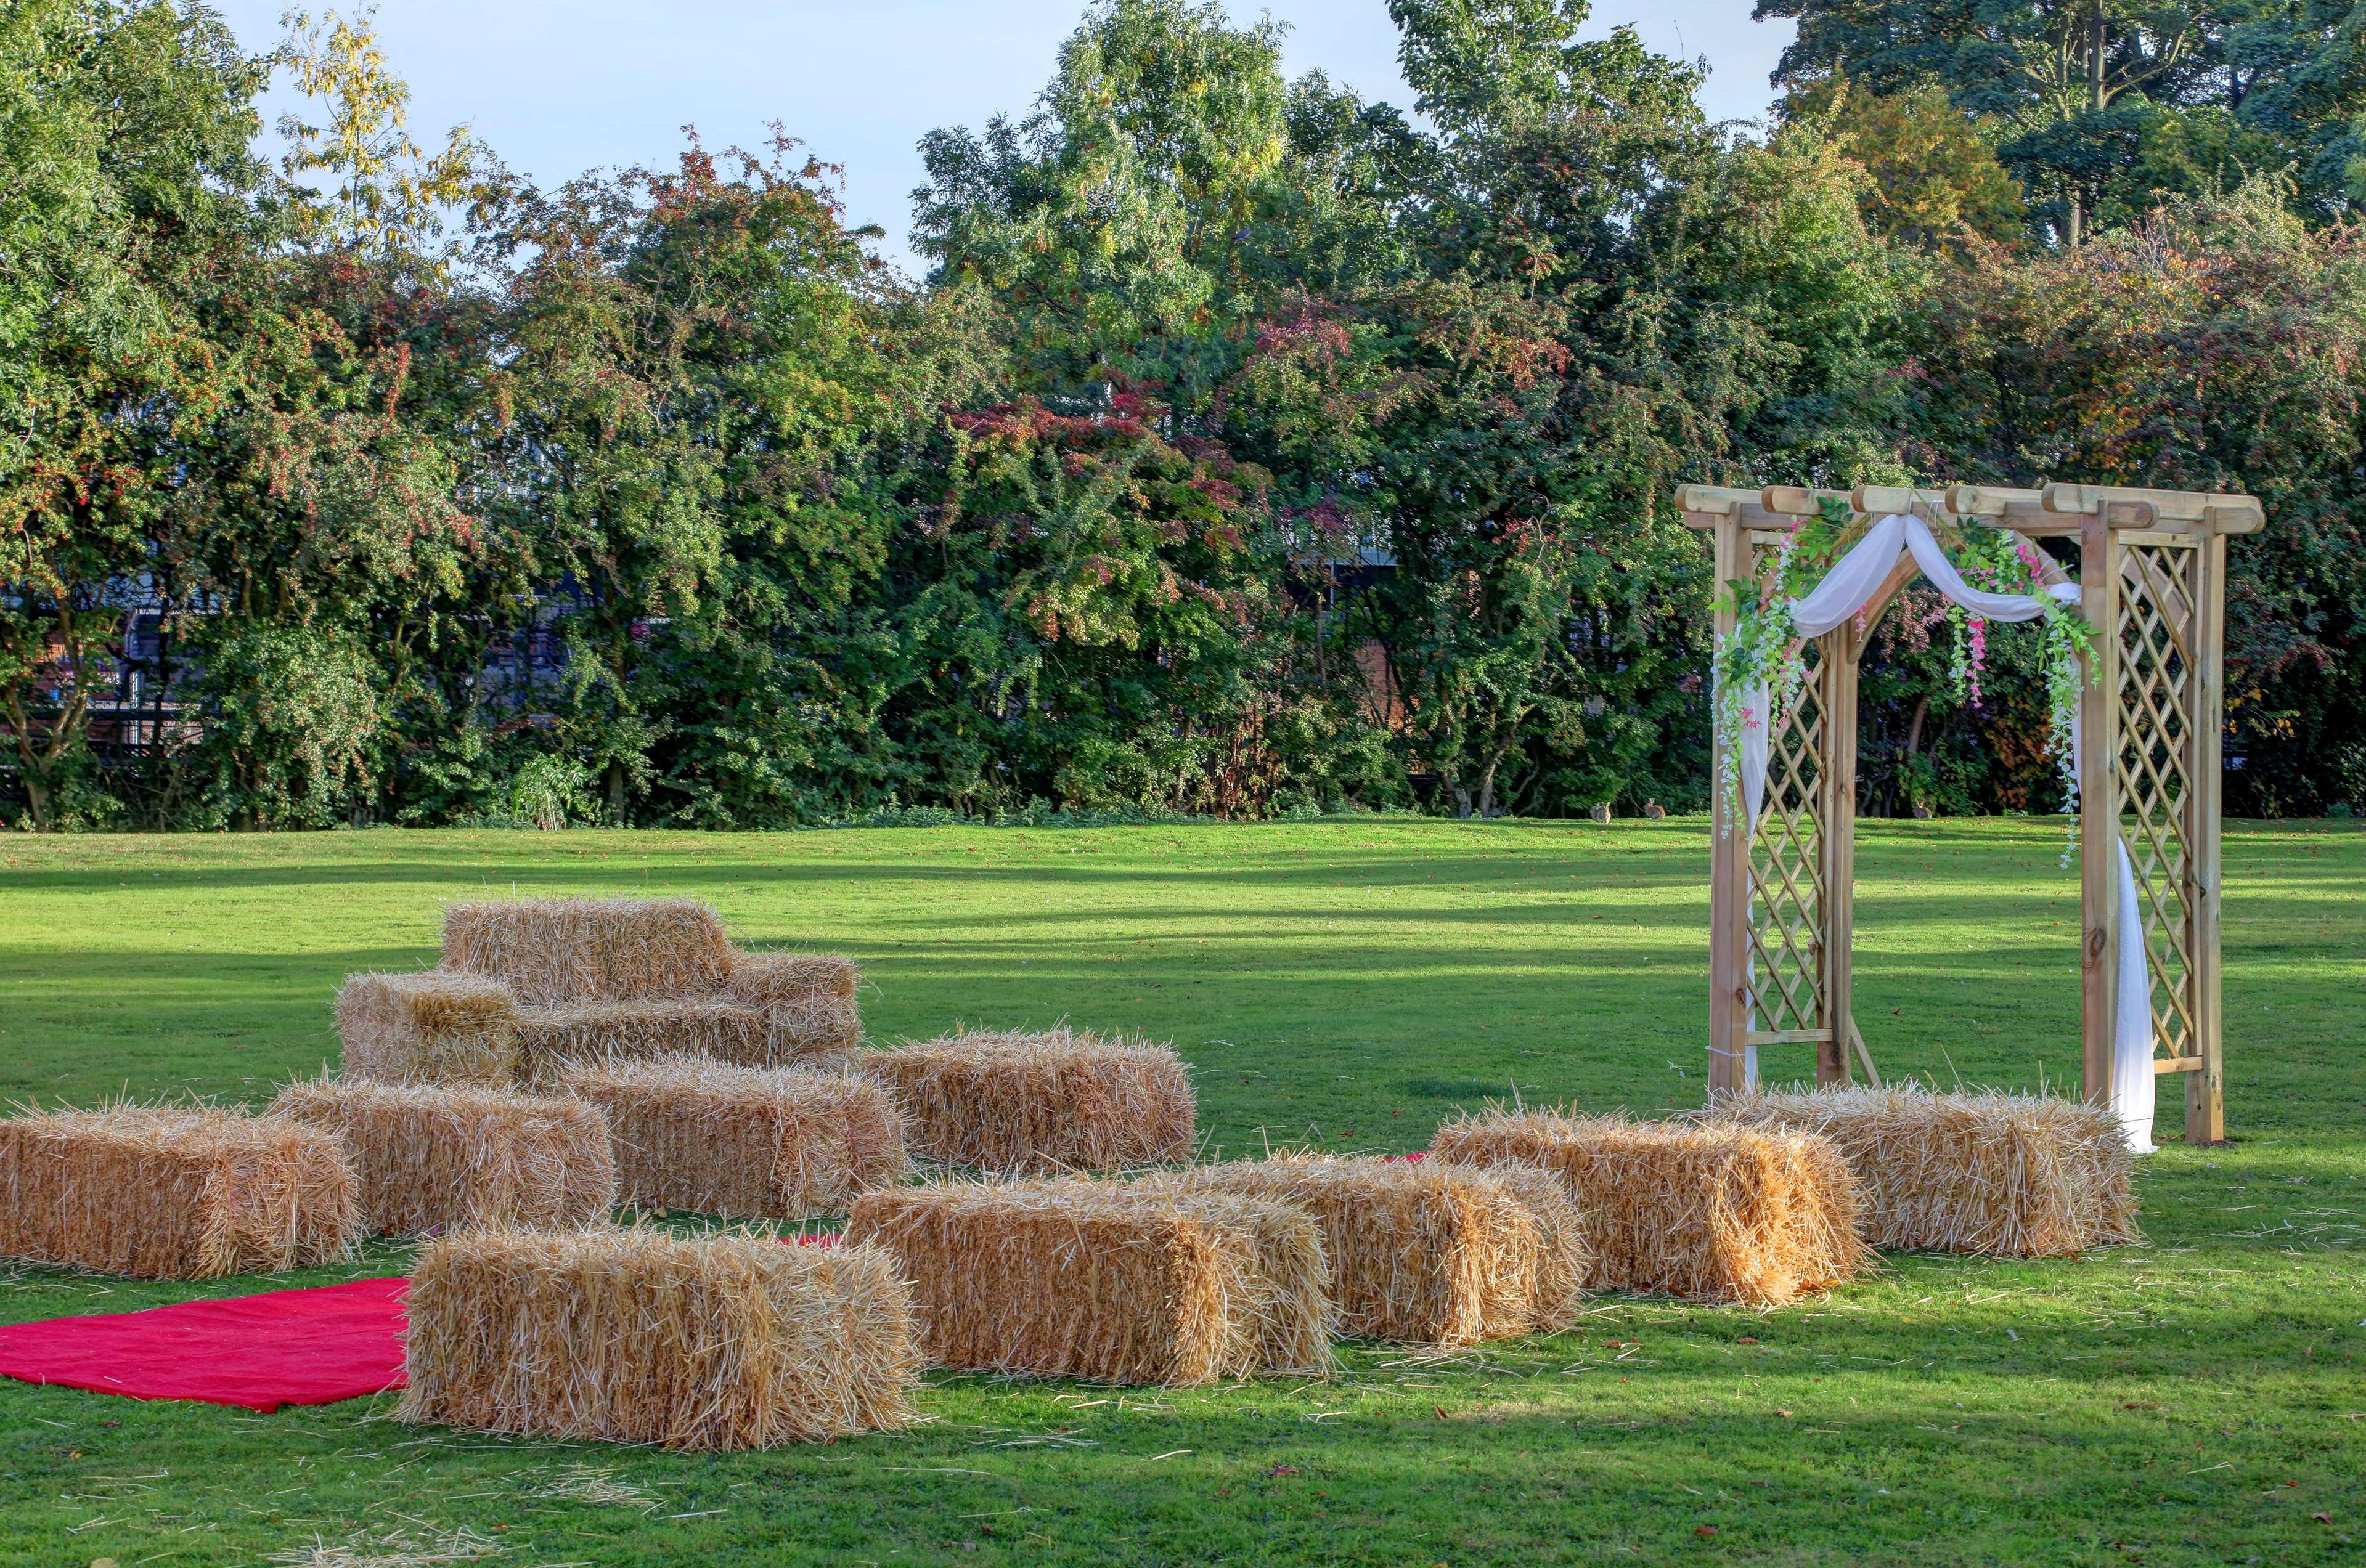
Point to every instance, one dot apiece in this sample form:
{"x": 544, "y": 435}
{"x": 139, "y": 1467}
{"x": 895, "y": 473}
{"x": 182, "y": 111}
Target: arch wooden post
{"x": 2152, "y": 565}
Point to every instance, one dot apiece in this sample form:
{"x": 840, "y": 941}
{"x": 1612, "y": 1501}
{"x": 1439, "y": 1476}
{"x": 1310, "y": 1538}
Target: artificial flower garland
{"x": 1764, "y": 649}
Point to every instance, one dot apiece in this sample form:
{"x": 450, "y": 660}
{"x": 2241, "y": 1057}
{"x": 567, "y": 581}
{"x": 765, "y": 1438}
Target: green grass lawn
{"x": 1345, "y": 984}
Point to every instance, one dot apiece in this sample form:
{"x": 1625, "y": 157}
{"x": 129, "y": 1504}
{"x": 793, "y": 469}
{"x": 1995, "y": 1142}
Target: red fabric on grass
{"x": 313, "y": 1345}
{"x": 298, "y": 1347}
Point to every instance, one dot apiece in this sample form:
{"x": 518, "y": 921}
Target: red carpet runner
{"x": 298, "y": 1347}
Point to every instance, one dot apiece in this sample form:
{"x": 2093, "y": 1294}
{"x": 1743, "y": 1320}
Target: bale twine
{"x": 1430, "y": 1253}
{"x": 1072, "y": 1279}
{"x": 173, "y": 1193}
{"x": 2006, "y": 1175}
{"x": 728, "y": 1340}
{"x": 1707, "y": 1213}
{"x": 436, "y": 1026}
{"x": 432, "y": 1156}
{"x": 1052, "y": 1101}
{"x": 750, "y": 1143}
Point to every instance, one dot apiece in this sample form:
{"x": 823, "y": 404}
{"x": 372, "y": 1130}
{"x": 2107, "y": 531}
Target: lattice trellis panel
{"x": 2161, "y": 585}
{"x": 1787, "y": 902}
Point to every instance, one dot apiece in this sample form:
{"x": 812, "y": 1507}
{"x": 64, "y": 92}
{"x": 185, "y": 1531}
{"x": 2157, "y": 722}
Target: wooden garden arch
{"x": 2153, "y": 565}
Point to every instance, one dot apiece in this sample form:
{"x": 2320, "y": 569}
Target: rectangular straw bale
{"x": 763, "y": 978}
{"x": 1709, "y": 1213}
{"x": 728, "y": 1340}
{"x": 1425, "y": 1253}
{"x": 2007, "y": 1175}
{"x": 173, "y": 1193}
{"x": 551, "y": 951}
{"x": 1297, "y": 1319}
{"x": 1063, "y": 1279}
{"x": 435, "y": 1026}
{"x": 552, "y": 1038}
{"x": 752, "y": 1143}
{"x": 1056, "y": 1100}
{"x": 433, "y": 1155}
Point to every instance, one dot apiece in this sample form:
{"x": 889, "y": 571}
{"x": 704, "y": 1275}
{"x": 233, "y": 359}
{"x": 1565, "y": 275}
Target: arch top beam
{"x": 2051, "y": 510}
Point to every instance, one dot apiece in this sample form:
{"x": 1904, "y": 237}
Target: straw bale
{"x": 728, "y": 1340}
{"x": 1297, "y": 1319}
{"x": 1075, "y": 1279}
{"x": 1429, "y": 1253}
{"x": 435, "y": 1027}
{"x": 433, "y": 1155}
{"x": 1058, "y": 1100}
{"x": 173, "y": 1192}
{"x": 763, "y": 978}
{"x": 2009, "y": 1175}
{"x": 752, "y": 1143}
{"x": 1709, "y": 1213}
{"x": 551, "y": 1039}
{"x": 551, "y": 951}
{"x": 807, "y": 1026}
{"x": 820, "y": 1029}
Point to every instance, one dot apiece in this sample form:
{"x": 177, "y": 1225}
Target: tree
{"x": 2114, "y": 105}
{"x": 2216, "y": 349}
{"x": 124, "y": 128}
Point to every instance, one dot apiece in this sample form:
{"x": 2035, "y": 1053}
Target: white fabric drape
{"x": 1847, "y": 588}
{"x": 2132, "y": 1078}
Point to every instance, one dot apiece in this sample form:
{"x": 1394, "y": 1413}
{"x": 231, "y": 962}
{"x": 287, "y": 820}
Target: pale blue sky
{"x": 559, "y": 87}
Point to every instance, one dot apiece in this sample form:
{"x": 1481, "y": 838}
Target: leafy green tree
{"x": 2114, "y": 105}
{"x": 124, "y": 130}
{"x": 2216, "y": 350}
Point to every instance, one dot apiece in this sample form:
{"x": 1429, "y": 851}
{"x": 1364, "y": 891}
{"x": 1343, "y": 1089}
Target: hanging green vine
{"x": 1765, "y": 649}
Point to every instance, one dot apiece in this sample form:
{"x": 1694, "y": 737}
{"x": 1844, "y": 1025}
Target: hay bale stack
{"x": 728, "y": 1340}
{"x": 750, "y": 1143}
{"x": 530, "y": 986}
{"x": 2007, "y": 1175}
{"x": 173, "y": 1193}
{"x": 1079, "y": 1279}
{"x": 437, "y": 1026}
{"x": 1430, "y": 1253}
{"x": 552, "y": 951}
{"x": 1057, "y": 1100}
{"x": 761, "y": 979}
{"x": 1709, "y": 1213}
{"x": 432, "y": 1156}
